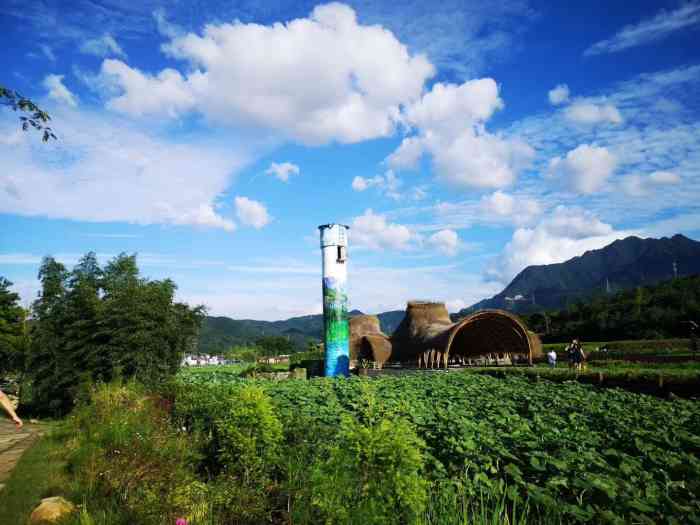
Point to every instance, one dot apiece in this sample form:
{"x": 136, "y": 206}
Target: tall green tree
{"x": 95, "y": 324}
{"x": 13, "y": 332}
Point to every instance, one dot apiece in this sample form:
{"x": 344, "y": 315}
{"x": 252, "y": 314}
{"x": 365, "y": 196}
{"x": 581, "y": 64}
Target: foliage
{"x": 649, "y": 312}
{"x": 245, "y": 353}
{"x": 95, "y": 324}
{"x": 36, "y": 118}
{"x": 122, "y": 446}
{"x": 373, "y": 473}
{"x": 14, "y": 337}
{"x": 569, "y": 450}
{"x": 218, "y": 334}
{"x": 275, "y": 345}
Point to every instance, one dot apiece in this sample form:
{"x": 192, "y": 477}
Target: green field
{"x": 570, "y": 452}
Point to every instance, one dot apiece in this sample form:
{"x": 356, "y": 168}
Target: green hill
{"x": 621, "y": 265}
{"x": 644, "y": 312}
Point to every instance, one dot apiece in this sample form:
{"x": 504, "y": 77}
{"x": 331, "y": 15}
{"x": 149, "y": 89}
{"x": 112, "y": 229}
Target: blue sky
{"x": 460, "y": 141}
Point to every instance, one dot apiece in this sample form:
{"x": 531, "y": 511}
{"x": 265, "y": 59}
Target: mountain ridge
{"x": 620, "y": 265}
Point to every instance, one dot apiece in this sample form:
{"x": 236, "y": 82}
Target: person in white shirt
{"x": 552, "y": 358}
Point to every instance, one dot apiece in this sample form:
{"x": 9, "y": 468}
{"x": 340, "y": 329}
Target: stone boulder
{"x": 51, "y": 510}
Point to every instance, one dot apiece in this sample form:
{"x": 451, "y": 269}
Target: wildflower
{"x": 181, "y": 521}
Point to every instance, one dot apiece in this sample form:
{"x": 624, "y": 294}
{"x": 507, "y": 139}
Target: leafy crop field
{"x": 563, "y": 452}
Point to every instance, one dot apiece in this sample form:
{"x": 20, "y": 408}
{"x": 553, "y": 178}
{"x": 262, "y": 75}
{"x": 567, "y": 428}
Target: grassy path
{"x": 13, "y": 443}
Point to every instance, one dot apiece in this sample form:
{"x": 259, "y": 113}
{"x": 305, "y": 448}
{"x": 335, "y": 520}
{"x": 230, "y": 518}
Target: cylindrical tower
{"x": 336, "y": 335}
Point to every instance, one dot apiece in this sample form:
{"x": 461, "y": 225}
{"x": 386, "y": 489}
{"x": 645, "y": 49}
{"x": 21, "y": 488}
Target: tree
{"x": 37, "y": 118}
{"x": 274, "y": 345}
{"x": 13, "y": 333}
{"x": 95, "y": 324}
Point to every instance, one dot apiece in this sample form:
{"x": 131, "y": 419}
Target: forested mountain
{"x": 621, "y": 265}
{"x": 663, "y": 310}
{"x": 221, "y": 333}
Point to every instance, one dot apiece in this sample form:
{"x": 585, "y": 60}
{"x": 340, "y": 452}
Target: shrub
{"x": 124, "y": 447}
{"x": 250, "y": 437}
{"x": 373, "y": 472}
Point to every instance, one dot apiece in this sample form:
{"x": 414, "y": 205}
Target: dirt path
{"x": 13, "y": 443}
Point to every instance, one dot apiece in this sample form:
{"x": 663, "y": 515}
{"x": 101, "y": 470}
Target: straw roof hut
{"x": 427, "y": 328}
{"x": 367, "y": 341}
{"x": 427, "y": 335}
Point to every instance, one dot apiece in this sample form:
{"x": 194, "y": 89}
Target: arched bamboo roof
{"x": 492, "y": 331}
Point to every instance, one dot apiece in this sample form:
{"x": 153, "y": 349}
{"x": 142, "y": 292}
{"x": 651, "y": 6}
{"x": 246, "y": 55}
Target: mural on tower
{"x": 337, "y": 330}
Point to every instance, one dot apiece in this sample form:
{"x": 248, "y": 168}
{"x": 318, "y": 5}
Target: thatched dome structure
{"x": 367, "y": 341}
{"x": 492, "y": 331}
{"x": 427, "y": 335}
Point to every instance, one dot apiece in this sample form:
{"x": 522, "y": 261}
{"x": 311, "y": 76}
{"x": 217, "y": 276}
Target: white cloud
{"x": 282, "y": 170}
{"x": 585, "y": 169}
{"x": 167, "y": 93}
{"x": 251, "y": 213}
{"x": 664, "y": 177}
{"x": 445, "y": 241}
{"x": 372, "y": 231}
{"x": 649, "y": 30}
{"x": 586, "y": 112}
{"x": 360, "y": 183}
{"x": 103, "y": 46}
{"x": 559, "y": 95}
{"x": 455, "y": 305}
{"x": 105, "y": 170}
{"x": 354, "y": 77}
{"x": 165, "y": 27}
{"x": 58, "y": 91}
{"x": 388, "y": 184}
{"x": 521, "y": 210}
{"x": 566, "y": 233}
{"x": 204, "y": 216}
{"x": 450, "y": 124}
{"x": 48, "y": 52}
{"x": 638, "y": 185}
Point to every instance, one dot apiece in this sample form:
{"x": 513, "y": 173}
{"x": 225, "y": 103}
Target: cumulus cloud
{"x": 361, "y": 75}
{"x": 585, "y": 169}
{"x": 282, "y": 170}
{"x": 445, "y": 241}
{"x": 449, "y": 122}
{"x": 559, "y": 95}
{"x": 388, "y": 184}
{"x": 103, "y": 46}
{"x": 205, "y": 216}
{"x": 58, "y": 91}
{"x": 650, "y": 30}
{"x": 372, "y": 231}
{"x": 566, "y": 233}
{"x": 251, "y": 213}
{"x": 590, "y": 113}
{"x": 107, "y": 170}
{"x": 638, "y": 185}
{"x": 167, "y": 93}
{"x": 521, "y": 210}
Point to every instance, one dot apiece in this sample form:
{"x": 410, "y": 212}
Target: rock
{"x": 51, "y": 510}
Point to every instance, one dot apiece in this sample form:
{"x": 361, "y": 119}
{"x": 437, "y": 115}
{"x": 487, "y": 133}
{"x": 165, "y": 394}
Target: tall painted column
{"x": 336, "y": 336}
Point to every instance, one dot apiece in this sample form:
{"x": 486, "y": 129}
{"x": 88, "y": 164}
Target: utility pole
{"x": 675, "y": 270}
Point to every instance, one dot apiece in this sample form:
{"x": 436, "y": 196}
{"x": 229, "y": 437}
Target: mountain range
{"x": 623, "y": 264}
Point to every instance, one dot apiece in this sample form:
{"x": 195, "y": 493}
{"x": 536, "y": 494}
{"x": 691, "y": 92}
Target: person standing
{"x": 578, "y": 356}
{"x": 552, "y": 358}
{"x": 7, "y": 405}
